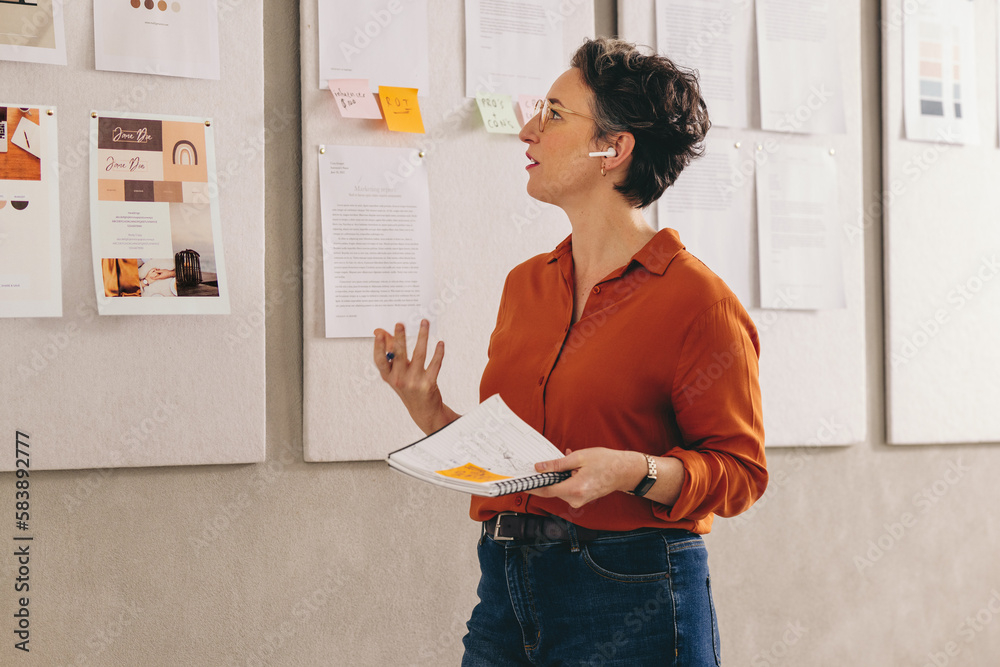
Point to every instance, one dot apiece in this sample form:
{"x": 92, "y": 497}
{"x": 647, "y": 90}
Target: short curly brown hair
{"x": 654, "y": 99}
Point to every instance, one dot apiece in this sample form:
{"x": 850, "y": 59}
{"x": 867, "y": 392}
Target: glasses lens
{"x": 542, "y": 111}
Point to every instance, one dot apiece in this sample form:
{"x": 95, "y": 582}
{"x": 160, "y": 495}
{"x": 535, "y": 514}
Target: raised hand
{"x": 415, "y": 385}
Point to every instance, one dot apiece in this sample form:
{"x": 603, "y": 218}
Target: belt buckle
{"x": 496, "y": 528}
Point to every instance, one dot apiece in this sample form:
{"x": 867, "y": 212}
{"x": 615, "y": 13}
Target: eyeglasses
{"x": 546, "y": 110}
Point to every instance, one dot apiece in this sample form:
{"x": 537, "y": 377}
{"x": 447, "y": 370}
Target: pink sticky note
{"x": 354, "y": 98}
{"x": 526, "y": 104}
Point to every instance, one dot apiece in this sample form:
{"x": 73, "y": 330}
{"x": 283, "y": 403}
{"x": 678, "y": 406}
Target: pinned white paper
{"x": 166, "y": 37}
{"x": 30, "y": 267}
{"x": 512, "y": 46}
{"x": 798, "y": 234}
{"x": 33, "y": 32}
{"x": 377, "y": 263}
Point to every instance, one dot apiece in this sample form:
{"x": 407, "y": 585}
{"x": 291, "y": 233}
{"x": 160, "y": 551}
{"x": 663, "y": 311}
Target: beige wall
{"x": 285, "y": 563}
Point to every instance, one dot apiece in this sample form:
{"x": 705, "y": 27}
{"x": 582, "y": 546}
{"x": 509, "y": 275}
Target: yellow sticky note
{"x": 400, "y": 108}
{"x": 498, "y": 113}
{"x": 472, "y": 473}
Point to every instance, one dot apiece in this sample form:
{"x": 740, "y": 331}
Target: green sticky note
{"x": 498, "y": 113}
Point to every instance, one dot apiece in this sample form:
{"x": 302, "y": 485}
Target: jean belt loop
{"x": 574, "y": 541}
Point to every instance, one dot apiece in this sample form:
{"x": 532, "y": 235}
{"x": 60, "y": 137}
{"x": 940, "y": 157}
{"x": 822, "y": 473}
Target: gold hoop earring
{"x": 603, "y": 173}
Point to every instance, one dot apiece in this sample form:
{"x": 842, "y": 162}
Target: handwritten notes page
{"x": 384, "y": 42}
{"x": 488, "y": 444}
{"x": 377, "y": 264}
{"x": 30, "y": 270}
{"x": 154, "y": 215}
{"x": 168, "y": 38}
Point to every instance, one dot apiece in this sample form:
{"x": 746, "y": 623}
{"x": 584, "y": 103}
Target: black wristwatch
{"x": 648, "y": 481}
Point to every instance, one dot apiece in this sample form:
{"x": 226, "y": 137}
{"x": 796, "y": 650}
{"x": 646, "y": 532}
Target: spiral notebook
{"x": 489, "y": 451}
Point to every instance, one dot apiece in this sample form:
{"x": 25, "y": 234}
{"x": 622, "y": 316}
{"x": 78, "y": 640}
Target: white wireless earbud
{"x": 611, "y": 152}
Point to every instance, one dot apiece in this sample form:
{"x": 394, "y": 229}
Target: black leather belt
{"x": 507, "y": 526}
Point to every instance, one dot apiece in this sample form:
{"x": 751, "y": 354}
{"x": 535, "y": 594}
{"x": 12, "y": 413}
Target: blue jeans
{"x": 636, "y": 598}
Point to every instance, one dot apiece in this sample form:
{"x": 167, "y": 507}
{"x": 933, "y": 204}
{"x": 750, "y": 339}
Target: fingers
{"x": 435, "y": 366}
{"x": 420, "y": 351}
{"x": 381, "y": 363}
{"x": 568, "y": 462}
{"x": 399, "y": 345}
{"x": 396, "y": 345}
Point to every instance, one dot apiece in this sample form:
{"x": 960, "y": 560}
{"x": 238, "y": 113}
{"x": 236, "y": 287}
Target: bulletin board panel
{"x": 812, "y": 363}
{"x": 482, "y": 221}
{"x": 121, "y": 391}
{"x": 942, "y": 241}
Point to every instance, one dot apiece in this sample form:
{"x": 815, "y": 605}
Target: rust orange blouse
{"x": 663, "y": 361}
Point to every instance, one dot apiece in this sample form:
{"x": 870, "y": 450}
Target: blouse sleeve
{"x": 717, "y": 405}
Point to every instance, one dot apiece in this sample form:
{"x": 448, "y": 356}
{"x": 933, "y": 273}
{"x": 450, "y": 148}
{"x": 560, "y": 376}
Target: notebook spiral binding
{"x": 533, "y": 482}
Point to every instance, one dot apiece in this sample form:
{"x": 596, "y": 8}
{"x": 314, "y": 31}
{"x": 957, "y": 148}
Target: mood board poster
{"x": 154, "y": 218}
{"x": 31, "y": 31}
{"x": 30, "y": 270}
{"x": 170, "y": 38}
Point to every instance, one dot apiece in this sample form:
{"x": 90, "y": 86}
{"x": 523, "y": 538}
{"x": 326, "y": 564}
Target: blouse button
{"x": 518, "y": 501}
{"x": 597, "y": 289}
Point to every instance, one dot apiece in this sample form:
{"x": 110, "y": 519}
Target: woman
{"x": 631, "y": 356}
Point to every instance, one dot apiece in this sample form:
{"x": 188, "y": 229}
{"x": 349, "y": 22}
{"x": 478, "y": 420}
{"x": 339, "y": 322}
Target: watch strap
{"x": 648, "y": 481}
